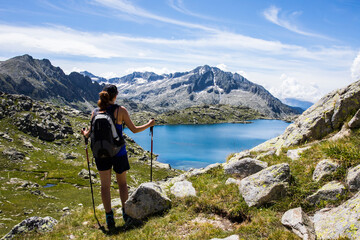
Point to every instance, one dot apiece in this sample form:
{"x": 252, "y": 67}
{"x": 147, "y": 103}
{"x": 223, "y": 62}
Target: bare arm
{"x": 135, "y": 129}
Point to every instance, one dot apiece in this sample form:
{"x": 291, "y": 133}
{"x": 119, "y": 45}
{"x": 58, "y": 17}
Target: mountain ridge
{"x": 202, "y": 85}
{"x": 39, "y": 79}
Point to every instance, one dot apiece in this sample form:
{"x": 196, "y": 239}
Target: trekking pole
{"x": 92, "y": 193}
{"x": 152, "y": 134}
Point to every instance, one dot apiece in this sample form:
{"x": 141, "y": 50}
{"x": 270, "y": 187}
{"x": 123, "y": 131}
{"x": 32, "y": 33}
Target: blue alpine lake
{"x": 196, "y": 146}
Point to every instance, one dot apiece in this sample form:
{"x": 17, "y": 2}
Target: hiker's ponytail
{"x": 104, "y": 100}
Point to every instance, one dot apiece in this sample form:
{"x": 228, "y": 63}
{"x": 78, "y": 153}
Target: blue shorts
{"x": 120, "y": 164}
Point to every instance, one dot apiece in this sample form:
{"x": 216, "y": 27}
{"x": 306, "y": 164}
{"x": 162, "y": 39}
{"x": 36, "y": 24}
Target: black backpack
{"x": 105, "y": 140}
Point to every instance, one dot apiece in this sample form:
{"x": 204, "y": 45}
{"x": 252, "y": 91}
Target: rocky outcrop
{"x": 146, "y": 200}
{"x": 183, "y": 189}
{"x": 342, "y": 221}
{"x": 37, "y": 224}
{"x": 294, "y": 154}
{"x": 232, "y": 237}
{"x": 299, "y": 223}
{"x": 84, "y": 173}
{"x": 266, "y": 185}
{"x": 36, "y": 118}
{"x": 324, "y": 117}
{"x": 324, "y": 168}
{"x": 244, "y": 167}
{"x": 353, "y": 178}
{"x": 355, "y": 121}
{"x": 13, "y": 154}
{"x": 331, "y": 191}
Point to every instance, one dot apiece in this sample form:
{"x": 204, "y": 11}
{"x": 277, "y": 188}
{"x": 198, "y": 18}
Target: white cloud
{"x": 127, "y": 7}
{"x": 355, "y": 68}
{"x": 222, "y": 66}
{"x": 243, "y": 73}
{"x": 179, "y": 6}
{"x": 109, "y": 75}
{"x": 291, "y": 88}
{"x": 272, "y": 14}
{"x": 148, "y": 69}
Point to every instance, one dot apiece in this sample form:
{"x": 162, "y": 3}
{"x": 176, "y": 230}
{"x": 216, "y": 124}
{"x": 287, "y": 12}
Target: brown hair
{"x": 104, "y": 100}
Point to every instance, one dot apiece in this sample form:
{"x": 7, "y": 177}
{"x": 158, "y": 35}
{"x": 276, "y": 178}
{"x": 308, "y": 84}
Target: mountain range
{"x": 202, "y": 85}
{"x": 39, "y": 79}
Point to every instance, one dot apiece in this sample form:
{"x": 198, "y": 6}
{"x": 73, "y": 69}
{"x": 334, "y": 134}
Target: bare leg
{"x": 123, "y": 190}
{"x": 105, "y": 178}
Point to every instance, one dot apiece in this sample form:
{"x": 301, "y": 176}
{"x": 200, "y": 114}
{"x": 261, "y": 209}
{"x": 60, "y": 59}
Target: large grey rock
{"x": 146, "y": 200}
{"x": 232, "y": 237}
{"x": 324, "y": 168}
{"x": 294, "y": 154}
{"x": 199, "y": 171}
{"x": 324, "y": 117}
{"x": 14, "y": 154}
{"x": 355, "y": 121}
{"x": 232, "y": 181}
{"x": 353, "y": 178}
{"x": 240, "y": 155}
{"x": 331, "y": 191}
{"x": 244, "y": 167}
{"x": 84, "y": 173}
{"x": 37, "y": 224}
{"x": 299, "y": 223}
{"x": 115, "y": 203}
{"x": 183, "y": 189}
{"x": 267, "y": 185}
{"x": 340, "y": 221}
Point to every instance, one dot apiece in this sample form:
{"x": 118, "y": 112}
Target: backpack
{"x": 105, "y": 140}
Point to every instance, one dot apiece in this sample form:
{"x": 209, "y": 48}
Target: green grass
{"x": 214, "y": 199}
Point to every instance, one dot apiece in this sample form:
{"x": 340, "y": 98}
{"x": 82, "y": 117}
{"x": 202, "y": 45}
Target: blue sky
{"x": 300, "y": 49}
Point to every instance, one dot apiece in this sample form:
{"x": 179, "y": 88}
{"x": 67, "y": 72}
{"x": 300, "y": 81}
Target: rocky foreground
{"x": 302, "y": 184}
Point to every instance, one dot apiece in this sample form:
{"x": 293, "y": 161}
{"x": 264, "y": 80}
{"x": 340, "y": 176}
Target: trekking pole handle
{"x": 85, "y": 138}
{"x": 152, "y": 127}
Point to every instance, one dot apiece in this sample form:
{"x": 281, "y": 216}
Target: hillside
{"x": 40, "y": 80}
{"x": 304, "y": 189}
{"x": 203, "y": 85}
{"x": 43, "y": 168}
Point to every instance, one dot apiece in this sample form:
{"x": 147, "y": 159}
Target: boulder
{"x": 331, "y": 191}
{"x": 115, "y": 203}
{"x": 355, "y": 121}
{"x": 240, "y": 155}
{"x": 183, "y": 189}
{"x": 146, "y": 200}
{"x": 198, "y": 171}
{"x": 267, "y": 185}
{"x": 84, "y": 173}
{"x": 299, "y": 223}
{"x": 324, "y": 117}
{"x": 340, "y": 221}
{"x": 37, "y": 224}
{"x": 353, "y": 178}
{"x": 244, "y": 167}
{"x": 295, "y": 153}
{"x": 232, "y": 237}
{"x": 13, "y": 154}
{"x": 232, "y": 181}
{"x": 324, "y": 168}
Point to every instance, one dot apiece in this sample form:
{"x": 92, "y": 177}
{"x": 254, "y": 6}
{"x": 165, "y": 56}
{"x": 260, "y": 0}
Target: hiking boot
{"x": 110, "y": 220}
{"x": 125, "y": 216}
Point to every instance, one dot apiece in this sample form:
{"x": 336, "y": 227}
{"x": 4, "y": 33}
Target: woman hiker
{"x": 120, "y": 162}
